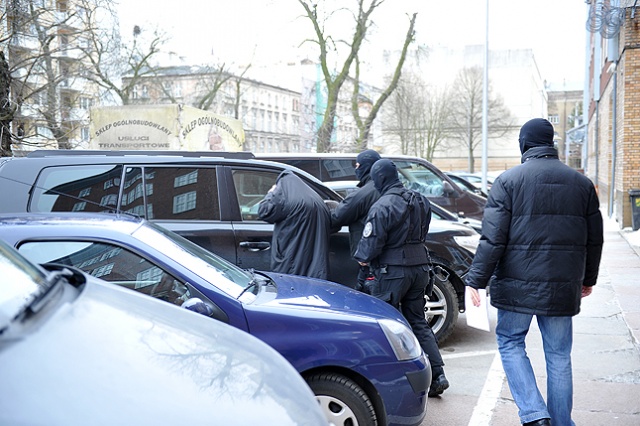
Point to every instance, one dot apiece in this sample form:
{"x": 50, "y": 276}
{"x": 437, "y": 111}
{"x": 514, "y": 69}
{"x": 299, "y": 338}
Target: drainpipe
{"x": 614, "y": 138}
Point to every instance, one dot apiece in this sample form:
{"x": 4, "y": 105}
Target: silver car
{"x": 76, "y": 350}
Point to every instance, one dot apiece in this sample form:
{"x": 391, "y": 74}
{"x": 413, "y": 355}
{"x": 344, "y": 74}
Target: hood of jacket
{"x": 385, "y": 175}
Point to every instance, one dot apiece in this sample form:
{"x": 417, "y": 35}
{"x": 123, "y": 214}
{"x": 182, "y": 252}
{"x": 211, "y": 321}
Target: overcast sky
{"x": 262, "y": 31}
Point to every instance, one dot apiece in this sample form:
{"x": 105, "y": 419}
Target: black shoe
{"x": 539, "y": 422}
{"x": 438, "y": 385}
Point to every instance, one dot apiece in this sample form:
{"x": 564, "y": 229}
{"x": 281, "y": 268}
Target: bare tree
{"x": 364, "y": 126}
{"x": 43, "y": 60}
{"x": 58, "y": 58}
{"x": 335, "y": 78}
{"x": 6, "y": 108}
{"x": 210, "y": 80}
{"x": 466, "y": 117}
{"x": 110, "y": 57}
{"x": 419, "y": 116}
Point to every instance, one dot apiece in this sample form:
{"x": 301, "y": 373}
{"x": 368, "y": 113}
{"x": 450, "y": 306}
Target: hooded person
{"x": 300, "y": 242}
{"x": 537, "y": 135}
{"x": 353, "y": 210}
{"x": 393, "y": 245}
{"x": 540, "y": 248}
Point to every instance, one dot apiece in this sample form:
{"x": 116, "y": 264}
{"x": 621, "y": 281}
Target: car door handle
{"x": 255, "y": 245}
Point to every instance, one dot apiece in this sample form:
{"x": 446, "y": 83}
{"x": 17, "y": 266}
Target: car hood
{"x": 311, "y": 293}
{"x": 104, "y": 355}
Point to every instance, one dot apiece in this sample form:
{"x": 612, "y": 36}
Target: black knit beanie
{"x": 536, "y": 132}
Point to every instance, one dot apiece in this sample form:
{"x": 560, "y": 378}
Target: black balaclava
{"x": 384, "y": 175}
{"x": 366, "y": 160}
{"x": 535, "y": 132}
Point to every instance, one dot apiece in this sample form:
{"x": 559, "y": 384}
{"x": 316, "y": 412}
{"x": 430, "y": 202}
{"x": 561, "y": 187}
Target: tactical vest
{"x": 413, "y": 251}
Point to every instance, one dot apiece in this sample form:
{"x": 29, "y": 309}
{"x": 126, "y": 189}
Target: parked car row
{"x": 380, "y": 378}
{"x": 212, "y": 201}
{"x": 75, "y": 350}
{"x": 381, "y": 373}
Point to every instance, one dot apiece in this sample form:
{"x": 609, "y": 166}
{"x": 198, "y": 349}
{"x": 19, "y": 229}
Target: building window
{"x": 86, "y": 103}
{"x": 102, "y": 270}
{"x": 84, "y": 134}
{"x": 189, "y": 178}
{"x": 554, "y": 119}
{"x": 184, "y": 202}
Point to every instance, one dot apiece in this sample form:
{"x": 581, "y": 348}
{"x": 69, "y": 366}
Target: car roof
{"x": 317, "y": 155}
{"x": 125, "y": 223}
{"x": 117, "y": 153}
{"x": 145, "y": 158}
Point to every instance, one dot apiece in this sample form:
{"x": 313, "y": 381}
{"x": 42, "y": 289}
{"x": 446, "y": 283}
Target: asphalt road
{"x": 606, "y": 356}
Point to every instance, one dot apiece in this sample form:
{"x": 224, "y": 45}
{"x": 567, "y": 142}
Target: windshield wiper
{"x": 253, "y": 283}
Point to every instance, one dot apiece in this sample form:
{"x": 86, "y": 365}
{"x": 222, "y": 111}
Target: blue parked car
{"x": 75, "y": 350}
{"x": 356, "y": 353}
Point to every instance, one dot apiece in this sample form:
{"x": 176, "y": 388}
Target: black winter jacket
{"x": 353, "y": 211}
{"x": 542, "y": 237}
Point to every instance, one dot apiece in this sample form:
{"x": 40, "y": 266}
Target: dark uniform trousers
{"x": 404, "y": 288}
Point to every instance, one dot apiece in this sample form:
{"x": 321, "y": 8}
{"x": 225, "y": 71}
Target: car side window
{"x": 310, "y": 166}
{"x": 251, "y": 187}
{"x": 338, "y": 169}
{"x": 419, "y": 178}
{"x": 92, "y": 188}
{"x": 110, "y": 263}
{"x": 176, "y": 193}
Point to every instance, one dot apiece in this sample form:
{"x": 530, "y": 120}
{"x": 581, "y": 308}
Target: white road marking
{"x": 483, "y": 411}
{"x": 468, "y": 354}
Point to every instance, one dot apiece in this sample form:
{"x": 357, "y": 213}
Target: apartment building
{"x": 46, "y": 52}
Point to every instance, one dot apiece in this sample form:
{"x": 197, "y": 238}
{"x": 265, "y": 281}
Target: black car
{"x": 415, "y": 172}
{"x": 211, "y": 199}
{"x": 344, "y": 187}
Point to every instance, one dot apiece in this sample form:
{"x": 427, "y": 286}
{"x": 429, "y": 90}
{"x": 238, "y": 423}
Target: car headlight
{"x": 404, "y": 343}
{"x": 470, "y": 242}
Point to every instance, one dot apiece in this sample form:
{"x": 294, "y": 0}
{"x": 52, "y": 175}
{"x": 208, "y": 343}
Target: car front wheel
{"x": 441, "y": 309}
{"x": 342, "y": 400}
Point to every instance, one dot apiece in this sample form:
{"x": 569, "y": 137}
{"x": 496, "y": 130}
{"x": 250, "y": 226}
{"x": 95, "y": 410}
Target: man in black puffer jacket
{"x": 541, "y": 242}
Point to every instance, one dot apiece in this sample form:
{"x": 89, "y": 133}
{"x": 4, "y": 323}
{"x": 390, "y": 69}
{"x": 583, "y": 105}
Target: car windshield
{"x": 214, "y": 269}
{"x": 21, "y": 283}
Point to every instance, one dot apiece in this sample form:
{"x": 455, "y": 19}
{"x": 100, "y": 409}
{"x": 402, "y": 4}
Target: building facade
{"x": 612, "y": 148}
{"x": 565, "y": 113}
{"x": 280, "y": 108}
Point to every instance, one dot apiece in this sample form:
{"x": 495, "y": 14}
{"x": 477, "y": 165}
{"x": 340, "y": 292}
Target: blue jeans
{"x": 557, "y": 340}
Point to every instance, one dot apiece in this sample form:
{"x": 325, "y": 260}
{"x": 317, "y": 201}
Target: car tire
{"x": 342, "y": 400}
{"x": 441, "y": 309}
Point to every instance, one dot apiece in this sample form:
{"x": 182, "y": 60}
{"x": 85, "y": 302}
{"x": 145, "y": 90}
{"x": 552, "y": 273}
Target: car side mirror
{"x": 197, "y": 305}
{"x": 448, "y": 190}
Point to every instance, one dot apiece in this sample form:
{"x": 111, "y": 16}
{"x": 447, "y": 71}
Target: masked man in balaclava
{"x": 393, "y": 245}
{"x": 353, "y": 210}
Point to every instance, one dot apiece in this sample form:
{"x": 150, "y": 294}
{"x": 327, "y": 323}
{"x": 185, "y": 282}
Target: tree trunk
{"x": 6, "y": 111}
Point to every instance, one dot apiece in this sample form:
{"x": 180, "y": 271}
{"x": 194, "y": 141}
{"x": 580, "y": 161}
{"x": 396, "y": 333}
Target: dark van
{"x": 416, "y": 173}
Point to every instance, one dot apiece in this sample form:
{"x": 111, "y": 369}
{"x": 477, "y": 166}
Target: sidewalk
{"x": 606, "y": 349}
